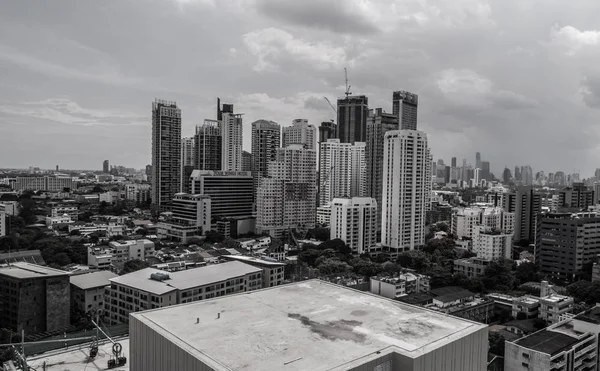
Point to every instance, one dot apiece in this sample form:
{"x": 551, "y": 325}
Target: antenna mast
{"x": 347, "y": 86}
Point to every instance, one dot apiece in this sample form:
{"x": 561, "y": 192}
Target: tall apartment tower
{"x": 342, "y": 170}
{"x": 478, "y": 160}
{"x": 354, "y": 221}
{"x": 406, "y": 189}
{"x": 231, "y": 131}
{"x": 208, "y": 142}
{"x": 246, "y": 161}
{"x": 166, "y": 153}
{"x": 352, "y": 113}
{"x": 527, "y": 206}
{"x": 266, "y": 139}
{"x": 287, "y": 198}
{"x": 105, "y": 167}
{"x": 327, "y": 131}
{"x": 188, "y": 161}
{"x": 378, "y": 124}
{"x": 301, "y": 132}
{"x": 404, "y": 106}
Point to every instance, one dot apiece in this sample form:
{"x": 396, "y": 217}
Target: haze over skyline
{"x": 513, "y": 79}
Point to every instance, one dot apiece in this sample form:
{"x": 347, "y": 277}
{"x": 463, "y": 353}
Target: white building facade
{"x": 301, "y": 132}
{"x": 354, "y": 221}
{"x": 490, "y": 244}
{"x": 343, "y": 171}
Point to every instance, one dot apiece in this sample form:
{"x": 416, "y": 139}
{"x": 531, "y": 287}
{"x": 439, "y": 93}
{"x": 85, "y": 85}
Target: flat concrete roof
{"x": 254, "y": 260}
{"x": 184, "y": 280}
{"x": 22, "y": 270}
{"x": 92, "y": 280}
{"x": 313, "y": 325}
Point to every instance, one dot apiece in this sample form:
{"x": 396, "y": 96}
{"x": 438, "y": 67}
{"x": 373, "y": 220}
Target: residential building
{"x": 324, "y": 215}
{"x": 231, "y": 131}
{"x": 396, "y": 286}
{"x": 378, "y": 123}
{"x": 596, "y": 272}
{"x": 526, "y": 204}
{"x": 58, "y": 221}
{"x": 305, "y": 328}
{"x": 301, "y": 132}
{"x": 10, "y": 208}
{"x": 406, "y": 190}
{"x": 553, "y": 307}
{"x": 492, "y": 244}
{"x": 137, "y": 193}
{"x": 100, "y": 257}
{"x": 188, "y": 160}
{"x": 191, "y": 217}
{"x": 569, "y": 345}
{"x": 327, "y": 131}
{"x": 47, "y": 183}
{"x": 208, "y": 143}
{"x": 61, "y": 210}
{"x": 33, "y": 298}
{"x": 576, "y": 197}
{"x": 354, "y": 221}
{"x": 352, "y": 113}
{"x": 3, "y": 222}
{"x": 272, "y": 270}
{"x": 266, "y": 138}
{"x": 342, "y": 170}
{"x": 527, "y": 175}
{"x": 123, "y": 251}
{"x": 87, "y": 293}
{"x": 230, "y": 192}
{"x": 246, "y": 161}
{"x": 106, "y": 167}
{"x": 567, "y": 242}
{"x": 471, "y": 267}
{"x": 151, "y": 288}
{"x": 405, "y": 107}
{"x": 287, "y": 198}
{"x": 166, "y": 153}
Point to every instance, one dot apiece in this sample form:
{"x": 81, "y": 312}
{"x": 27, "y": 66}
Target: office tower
{"x": 453, "y": 162}
{"x": 34, "y": 298}
{"x": 527, "y": 175}
{"x": 232, "y": 139}
{"x": 354, "y": 221}
{"x": 166, "y": 153}
{"x": 327, "y": 131}
{"x": 149, "y": 171}
{"x": 378, "y": 124}
{"x": 56, "y": 167}
{"x": 485, "y": 170}
{"x": 576, "y": 197}
{"x": 208, "y": 143}
{"x": 477, "y": 160}
{"x": 551, "y": 179}
{"x": 569, "y": 242}
{"x": 477, "y": 177}
{"x": 191, "y": 218}
{"x": 287, "y": 198}
{"x": 404, "y": 107}
{"x": 352, "y": 113}
{"x": 246, "y": 161}
{"x": 188, "y": 162}
{"x": 406, "y": 189}
{"x": 506, "y": 176}
{"x": 301, "y": 132}
{"x": 105, "y": 167}
{"x": 596, "y": 190}
{"x": 518, "y": 173}
{"x": 342, "y": 170}
{"x": 230, "y": 192}
{"x": 266, "y": 139}
{"x": 526, "y": 204}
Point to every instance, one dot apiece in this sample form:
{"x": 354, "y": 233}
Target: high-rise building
{"x": 406, "y": 189}
{"x": 287, "y": 198}
{"x": 246, "y": 161}
{"x": 576, "y": 197}
{"x": 230, "y": 192}
{"x": 477, "y": 177}
{"x": 232, "y": 138}
{"x": 378, "y": 124}
{"x": 404, "y": 107}
{"x": 527, "y": 175}
{"x": 188, "y": 161}
{"x": 327, "y": 131}
{"x": 208, "y": 143}
{"x": 477, "y": 160}
{"x": 191, "y": 217}
{"x": 526, "y": 204}
{"x": 352, "y": 113}
{"x": 506, "y": 176}
{"x": 453, "y": 162}
{"x": 490, "y": 244}
{"x": 149, "y": 171}
{"x": 266, "y": 138}
{"x": 464, "y": 221}
{"x": 166, "y": 153}
{"x": 518, "y": 173}
{"x": 354, "y": 221}
{"x": 485, "y": 170}
{"x": 105, "y": 166}
{"x": 301, "y": 132}
{"x": 342, "y": 170}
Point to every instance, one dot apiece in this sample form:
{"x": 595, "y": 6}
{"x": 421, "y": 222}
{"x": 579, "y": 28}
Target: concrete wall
{"x": 32, "y": 306}
{"x": 513, "y": 358}
{"x": 58, "y": 300}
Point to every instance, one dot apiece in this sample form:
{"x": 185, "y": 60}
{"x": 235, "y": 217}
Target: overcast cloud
{"x": 517, "y": 80}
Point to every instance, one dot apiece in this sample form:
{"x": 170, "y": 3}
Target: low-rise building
{"x": 570, "y": 345}
{"x": 273, "y": 270}
{"x": 123, "y": 251}
{"x": 87, "y": 292}
{"x": 191, "y": 217}
{"x": 553, "y": 307}
{"x": 9, "y": 207}
{"x": 151, "y": 288}
{"x": 252, "y": 244}
{"x": 324, "y": 215}
{"x": 58, "y": 221}
{"x": 100, "y": 257}
{"x": 527, "y": 304}
{"x": 88, "y": 228}
{"x": 471, "y": 267}
{"x": 397, "y": 286}
{"x": 62, "y": 210}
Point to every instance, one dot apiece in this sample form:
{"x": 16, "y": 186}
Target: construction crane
{"x": 347, "y": 86}
{"x": 330, "y": 105}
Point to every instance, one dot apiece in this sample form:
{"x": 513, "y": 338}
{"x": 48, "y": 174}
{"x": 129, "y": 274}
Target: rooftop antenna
{"x": 347, "y": 86}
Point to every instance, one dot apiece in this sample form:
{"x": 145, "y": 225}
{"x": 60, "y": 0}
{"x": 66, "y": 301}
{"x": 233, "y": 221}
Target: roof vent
{"x": 159, "y": 276}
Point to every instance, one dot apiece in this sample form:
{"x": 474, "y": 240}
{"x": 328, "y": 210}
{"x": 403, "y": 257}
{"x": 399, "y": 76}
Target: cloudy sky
{"x": 517, "y": 80}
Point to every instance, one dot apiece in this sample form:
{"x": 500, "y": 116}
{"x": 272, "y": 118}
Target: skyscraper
{"x": 187, "y": 162}
{"x": 527, "y": 175}
{"x": 166, "y": 153}
{"x": 106, "y": 167}
{"x": 352, "y": 113}
{"x": 246, "y": 161}
{"x": 517, "y": 173}
{"x": 477, "y": 160}
{"x": 266, "y": 138}
{"x": 354, "y": 221}
{"x": 378, "y": 124}
{"x": 406, "y": 188}
{"x": 231, "y": 131}
{"x": 485, "y": 170}
{"x": 342, "y": 170}
{"x": 453, "y": 162}
{"x": 301, "y": 132}
{"x": 526, "y": 204}
{"x": 208, "y": 142}
{"x": 287, "y": 198}
{"x": 404, "y": 106}
{"x": 327, "y": 131}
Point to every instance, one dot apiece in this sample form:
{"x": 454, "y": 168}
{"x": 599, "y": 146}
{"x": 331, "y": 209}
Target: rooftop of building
{"x": 450, "y": 293}
{"x": 92, "y": 280}
{"x": 28, "y": 256}
{"x": 528, "y": 299}
{"x": 22, "y": 270}
{"x": 310, "y": 325}
{"x": 123, "y": 243}
{"x": 547, "y": 341}
{"x": 254, "y": 260}
{"x": 591, "y": 315}
{"x": 186, "y": 279}
{"x": 555, "y": 298}
{"x": 407, "y": 276}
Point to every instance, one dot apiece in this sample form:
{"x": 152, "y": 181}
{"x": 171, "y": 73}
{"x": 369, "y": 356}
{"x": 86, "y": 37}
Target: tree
{"x": 134, "y": 265}
{"x": 496, "y": 342}
{"x": 320, "y": 234}
{"x": 214, "y": 237}
{"x": 367, "y": 268}
{"x": 309, "y": 256}
{"x": 62, "y": 259}
{"x": 580, "y": 290}
{"x": 27, "y": 211}
{"x": 336, "y": 245}
{"x": 527, "y": 272}
{"x": 498, "y": 275}
{"x": 521, "y": 316}
{"x": 333, "y": 266}
{"x": 539, "y": 323}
